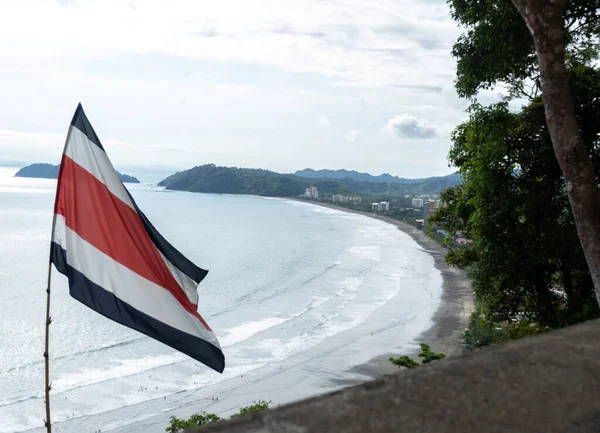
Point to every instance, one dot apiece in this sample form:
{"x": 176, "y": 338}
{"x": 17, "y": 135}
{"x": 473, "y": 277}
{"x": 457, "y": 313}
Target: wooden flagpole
{"x": 47, "y": 421}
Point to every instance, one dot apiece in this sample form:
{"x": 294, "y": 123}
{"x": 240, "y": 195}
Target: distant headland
{"x": 49, "y": 171}
{"x": 210, "y": 178}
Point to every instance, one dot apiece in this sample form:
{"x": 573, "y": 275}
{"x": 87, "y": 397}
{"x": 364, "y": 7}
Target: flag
{"x": 117, "y": 263}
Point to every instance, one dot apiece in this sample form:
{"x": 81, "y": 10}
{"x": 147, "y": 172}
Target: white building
{"x": 311, "y": 192}
{"x": 417, "y": 202}
{"x": 382, "y": 206}
{"x": 343, "y": 199}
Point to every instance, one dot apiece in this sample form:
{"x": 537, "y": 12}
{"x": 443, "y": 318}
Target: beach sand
{"x": 450, "y": 320}
{"x": 308, "y": 373}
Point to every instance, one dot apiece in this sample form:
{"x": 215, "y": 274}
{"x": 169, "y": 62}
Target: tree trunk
{"x": 545, "y": 20}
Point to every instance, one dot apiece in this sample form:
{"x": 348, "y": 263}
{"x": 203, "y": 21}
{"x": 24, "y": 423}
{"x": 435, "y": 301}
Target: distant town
{"x": 413, "y": 210}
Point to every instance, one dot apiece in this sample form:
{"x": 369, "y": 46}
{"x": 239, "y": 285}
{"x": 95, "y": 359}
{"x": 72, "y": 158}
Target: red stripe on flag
{"x": 113, "y": 227}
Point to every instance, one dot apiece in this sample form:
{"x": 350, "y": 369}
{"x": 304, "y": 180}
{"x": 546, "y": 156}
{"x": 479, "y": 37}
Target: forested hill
{"x": 232, "y": 180}
{"x": 49, "y": 171}
{"x": 309, "y": 173}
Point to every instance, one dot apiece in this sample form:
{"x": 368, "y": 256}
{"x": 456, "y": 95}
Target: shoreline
{"x": 449, "y": 321}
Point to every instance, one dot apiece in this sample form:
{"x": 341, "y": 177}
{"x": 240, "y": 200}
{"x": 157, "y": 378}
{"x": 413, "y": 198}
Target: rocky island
{"x": 50, "y": 171}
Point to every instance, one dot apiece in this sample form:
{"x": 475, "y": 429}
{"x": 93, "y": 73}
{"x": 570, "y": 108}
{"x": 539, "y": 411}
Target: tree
{"x": 514, "y": 207}
{"x": 546, "y": 23}
{"x": 496, "y": 49}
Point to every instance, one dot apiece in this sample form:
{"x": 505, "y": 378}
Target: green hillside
{"x": 232, "y": 180}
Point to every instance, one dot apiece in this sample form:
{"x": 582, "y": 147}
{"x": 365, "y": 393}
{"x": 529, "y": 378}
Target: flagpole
{"x": 47, "y": 422}
{"x": 48, "y": 387}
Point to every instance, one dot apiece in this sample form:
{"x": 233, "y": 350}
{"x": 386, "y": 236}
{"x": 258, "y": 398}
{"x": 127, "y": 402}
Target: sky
{"x": 281, "y": 85}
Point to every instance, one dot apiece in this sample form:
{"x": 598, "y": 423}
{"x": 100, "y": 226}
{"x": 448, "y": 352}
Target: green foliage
{"x": 404, "y": 361}
{"x": 524, "y": 328}
{"x": 525, "y": 257}
{"x": 228, "y": 180}
{"x": 496, "y": 46}
{"x": 426, "y": 356}
{"x": 257, "y": 406}
{"x": 483, "y": 331}
{"x": 177, "y": 425}
{"x": 231, "y": 180}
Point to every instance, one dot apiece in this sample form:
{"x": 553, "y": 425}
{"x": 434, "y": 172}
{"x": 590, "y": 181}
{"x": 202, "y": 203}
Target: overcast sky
{"x": 281, "y": 85}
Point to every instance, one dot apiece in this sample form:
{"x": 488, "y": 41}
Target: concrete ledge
{"x": 546, "y": 384}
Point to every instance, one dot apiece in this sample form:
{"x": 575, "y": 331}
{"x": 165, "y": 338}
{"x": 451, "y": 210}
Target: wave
{"x": 71, "y": 355}
{"x": 243, "y": 299}
{"x": 124, "y": 368}
{"x": 246, "y": 330}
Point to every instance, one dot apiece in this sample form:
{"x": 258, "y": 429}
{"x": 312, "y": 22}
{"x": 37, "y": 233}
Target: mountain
{"x": 49, "y": 171}
{"x": 309, "y": 173}
{"x": 232, "y": 180}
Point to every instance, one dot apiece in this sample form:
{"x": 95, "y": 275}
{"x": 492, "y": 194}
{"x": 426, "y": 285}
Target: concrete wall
{"x": 549, "y": 383}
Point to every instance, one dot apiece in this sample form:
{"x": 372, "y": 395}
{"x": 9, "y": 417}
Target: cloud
{"x": 362, "y": 43}
{"x": 208, "y": 33}
{"x": 287, "y": 30}
{"x": 191, "y": 82}
{"x": 407, "y": 126}
{"x": 352, "y": 135}
{"x": 323, "y": 121}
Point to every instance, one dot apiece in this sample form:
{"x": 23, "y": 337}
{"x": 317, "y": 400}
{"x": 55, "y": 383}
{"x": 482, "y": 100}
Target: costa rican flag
{"x": 117, "y": 263}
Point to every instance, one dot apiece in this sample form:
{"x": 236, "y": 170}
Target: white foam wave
{"x": 122, "y": 368}
{"x": 246, "y": 330}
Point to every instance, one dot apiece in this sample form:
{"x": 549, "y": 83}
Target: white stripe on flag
{"x": 142, "y": 294}
{"x": 93, "y": 159}
{"x": 189, "y": 286}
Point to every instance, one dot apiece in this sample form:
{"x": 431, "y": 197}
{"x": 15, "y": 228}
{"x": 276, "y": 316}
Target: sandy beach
{"x": 297, "y": 315}
{"x": 450, "y": 320}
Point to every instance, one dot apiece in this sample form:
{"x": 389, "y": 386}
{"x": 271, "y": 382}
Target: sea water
{"x": 297, "y": 294}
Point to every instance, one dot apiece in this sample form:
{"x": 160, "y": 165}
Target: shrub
{"x": 426, "y": 355}
{"x": 258, "y": 406}
{"x": 404, "y": 361}
{"x": 177, "y": 425}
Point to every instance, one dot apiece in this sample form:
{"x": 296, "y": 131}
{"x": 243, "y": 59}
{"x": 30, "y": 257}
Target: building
{"x": 343, "y": 199}
{"x": 417, "y": 202}
{"x": 383, "y": 206}
{"x": 429, "y": 207}
{"x": 429, "y": 204}
{"x": 311, "y": 192}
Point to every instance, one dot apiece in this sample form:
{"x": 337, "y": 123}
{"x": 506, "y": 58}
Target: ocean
{"x": 297, "y": 294}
